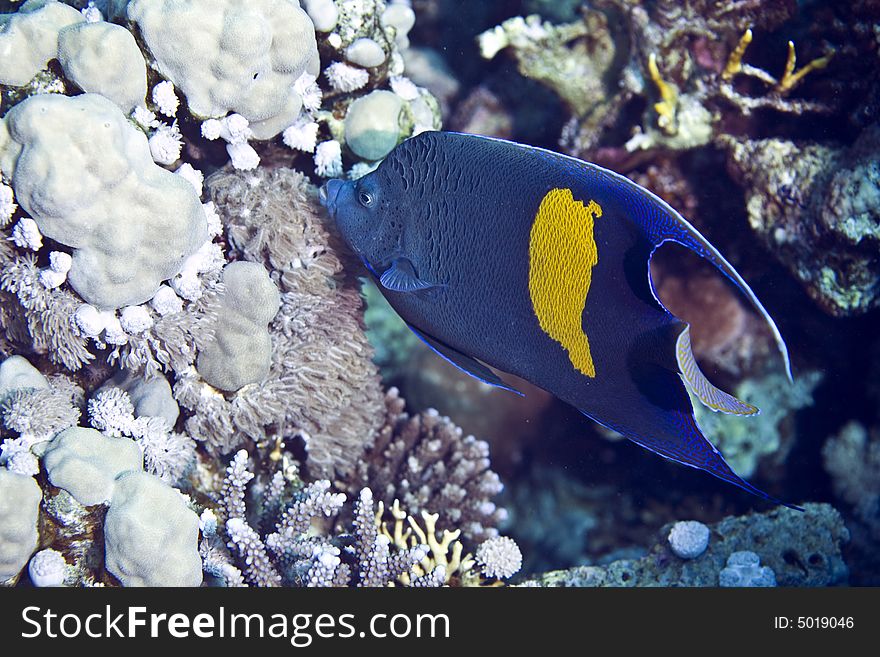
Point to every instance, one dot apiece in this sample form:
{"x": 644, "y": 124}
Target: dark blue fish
{"x": 507, "y": 256}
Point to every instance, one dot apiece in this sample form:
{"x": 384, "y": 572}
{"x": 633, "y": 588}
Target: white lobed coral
{"x": 114, "y": 263}
{"x": 499, "y": 557}
{"x": 323, "y": 13}
{"x": 85, "y": 463}
{"x": 242, "y": 348}
{"x": 150, "y": 536}
{"x": 688, "y": 539}
{"x": 29, "y": 38}
{"x": 19, "y": 509}
{"x": 400, "y": 17}
{"x": 247, "y": 59}
{"x": 373, "y": 124}
{"x": 365, "y": 52}
{"x": 104, "y": 58}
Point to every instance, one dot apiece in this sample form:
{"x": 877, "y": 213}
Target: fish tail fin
{"x": 657, "y": 414}
{"x": 691, "y": 448}
{"x": 688, "y": 236}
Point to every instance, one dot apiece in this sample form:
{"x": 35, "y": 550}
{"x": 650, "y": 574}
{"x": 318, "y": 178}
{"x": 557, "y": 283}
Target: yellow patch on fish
{"x": 562, "y": 254}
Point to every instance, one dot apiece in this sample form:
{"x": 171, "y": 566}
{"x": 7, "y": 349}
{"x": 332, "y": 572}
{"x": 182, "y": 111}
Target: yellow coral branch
{"x": 791, "y": 78}
{"x": 666, "y": 107}
{"x": 734, "y": 62}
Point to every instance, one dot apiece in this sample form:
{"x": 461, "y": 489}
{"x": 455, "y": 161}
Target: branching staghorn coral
{"x": 277, "y": 536}
{"x": 322, "y": 385}
{"x": 427, "y": 463}
{"x": 299, "y": 551}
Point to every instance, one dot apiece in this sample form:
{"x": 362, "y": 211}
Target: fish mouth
{"x": 329, "y": 192}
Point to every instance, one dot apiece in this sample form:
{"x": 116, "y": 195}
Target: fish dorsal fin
{"x": 711, "y": 397}
{"x": 463, "y": 362}
{"x": 401, "y": 277}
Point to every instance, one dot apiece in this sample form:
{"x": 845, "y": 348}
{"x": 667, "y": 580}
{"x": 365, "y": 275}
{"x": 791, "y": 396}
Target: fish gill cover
{"x": 180, "y": 315}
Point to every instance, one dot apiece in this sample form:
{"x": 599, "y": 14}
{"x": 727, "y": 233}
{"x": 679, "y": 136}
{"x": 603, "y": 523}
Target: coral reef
{"x": 802, "y": 549}
{"x": 767, "y": 437}
{"x": 815, "y": 207}
{"x": 303, "y": 550}
{"x": 427, "y": 463}
{"x": 321, "y": 385}
{"x": 852, "y": 458}
{"x": 171, "y": 298}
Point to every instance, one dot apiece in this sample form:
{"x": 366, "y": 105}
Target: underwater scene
{"x": 434, "y": 293}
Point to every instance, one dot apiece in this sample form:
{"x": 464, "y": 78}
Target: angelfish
{"x": 502, "y": 255}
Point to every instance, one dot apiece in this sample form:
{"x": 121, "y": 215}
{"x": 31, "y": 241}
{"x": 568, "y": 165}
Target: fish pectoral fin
{"x": 401, "y": 277}
{"x": 465, "y": 363}
{"x": 703, "y": 389}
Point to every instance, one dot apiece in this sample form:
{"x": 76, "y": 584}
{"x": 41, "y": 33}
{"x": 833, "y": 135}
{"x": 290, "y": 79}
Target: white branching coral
{"x": 192, "y": 176}
{"x": 346, "y": 78}
{"x": 307, "y": 87}
{"x": 165, "y": 98}
{"x": 302, "y": 135}
{"x": 167, "y": 454}
{"x": 427, "y": 463}
{"x": 111, "y": 412}
{"x": 56, "y": 273}
{"x": 166, "y": 143}
{"x": 7, "y": 204}
{"x": 328, "y": 159}
{"x": 499, "y": 557}
{"x": 235, "y": 130}
{"x": 26, "y": 234}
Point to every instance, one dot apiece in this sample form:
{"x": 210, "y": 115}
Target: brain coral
{"x": 232, "y": 56}
{"x": 85, "y": 175}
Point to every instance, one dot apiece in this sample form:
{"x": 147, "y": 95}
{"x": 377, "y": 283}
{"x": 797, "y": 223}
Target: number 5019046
{"x": 814, "y": 622}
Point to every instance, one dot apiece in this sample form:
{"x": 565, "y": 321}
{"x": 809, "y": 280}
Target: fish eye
{"x": 365, "y": 199}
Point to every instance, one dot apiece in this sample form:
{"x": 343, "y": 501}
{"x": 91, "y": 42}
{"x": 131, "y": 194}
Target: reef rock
{"x": 817, "y": 208}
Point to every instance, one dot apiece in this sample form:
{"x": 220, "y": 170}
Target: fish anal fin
{"x": 711, "y": 397}
{"x": 465, "y": 363}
